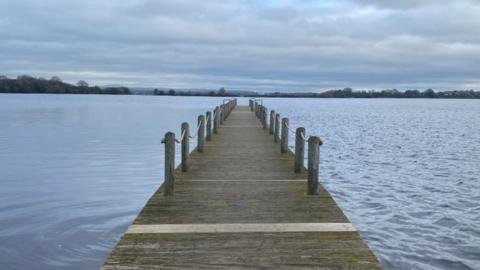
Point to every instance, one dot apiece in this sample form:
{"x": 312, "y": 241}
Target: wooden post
{"x": 264, "y": 116}
{"x": 209, "y": 125}
{"x": 272, "y": 122}
{"x": 314, "y": 143}
{"x": 216, "y": 119}
{"x": 169, "y": 163}
{"x": 277, "y": 128}
{"x": 185, "y": 146}
{"x": 299, "y": 149}
{"x": 201, "y": 133}
{"x": 284, "y": 139}
{"x": 222, "y": 114}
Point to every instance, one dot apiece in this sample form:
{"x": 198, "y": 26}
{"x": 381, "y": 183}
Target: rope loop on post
{"x": 289, "y": 129}
{"x": 304, "y": 136}
{"x": 181, "y": 138}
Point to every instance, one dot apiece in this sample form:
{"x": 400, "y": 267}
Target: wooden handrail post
{"x": 265, "y": 121}
{"x": 277, "y": 128}
{"x": 216, "y": 119}
{"x": 185, "y": 146}
{"x": 314, "y": 143}
{"x": 222, "y": 114}
{"x": 209, "y": 125}
{"x": 169, "y": 163}
{"x": 272, "y": 122}
{"x": 284, "y": 140}
{"x": 262, "y": 117}
{"x": 299, "y": 149}
{"x": 201, "y": 133}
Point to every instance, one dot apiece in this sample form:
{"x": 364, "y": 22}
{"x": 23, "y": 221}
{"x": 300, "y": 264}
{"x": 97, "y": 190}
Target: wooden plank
{"x": 242, "y": 228}
{"x": 301, "y": 250}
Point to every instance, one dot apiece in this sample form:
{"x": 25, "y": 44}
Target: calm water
{"x": 75, "y": 171}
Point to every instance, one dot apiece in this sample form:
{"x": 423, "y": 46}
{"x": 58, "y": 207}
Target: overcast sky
{"x": 244, "y": 44}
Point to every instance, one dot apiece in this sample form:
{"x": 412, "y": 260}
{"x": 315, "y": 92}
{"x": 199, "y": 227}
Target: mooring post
{"x": 272, "y": 121}
{"x": 265, "y": 117}
{"x": 222, "y": 114}
{"x": 209, "y": 125}
{"x": 314, "y": 143}
{"x": 216, "y": 119}
{"x": 169, "y": 163}
{"x": 284, "y": 140}
{"x": 277, "y": 128}
{"x": 299, "y": 149}
{"x": 201, "y": 133}
{"x": 185, "y": 146}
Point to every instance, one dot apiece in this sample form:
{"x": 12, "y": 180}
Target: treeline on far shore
{"x": 341, "y": 93}
{"x": 27, "y": 84}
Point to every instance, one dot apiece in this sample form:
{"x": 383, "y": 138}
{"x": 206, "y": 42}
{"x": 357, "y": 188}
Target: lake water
{"x": 76, "y": 170}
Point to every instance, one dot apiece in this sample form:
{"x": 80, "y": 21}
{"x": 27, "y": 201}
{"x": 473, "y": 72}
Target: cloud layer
{"x": 245, "y": 44}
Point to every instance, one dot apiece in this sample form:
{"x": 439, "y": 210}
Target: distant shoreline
{"x": 345, "y": 93}
{"x": 241, "y": 96}
{"x": 29, "y": 85}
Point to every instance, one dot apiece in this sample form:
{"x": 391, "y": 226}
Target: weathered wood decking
{"x": 241, "y": 206}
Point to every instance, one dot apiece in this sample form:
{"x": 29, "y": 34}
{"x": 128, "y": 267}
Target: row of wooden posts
{"x": 314, "y": 143}
{"x": 204, "y": 123}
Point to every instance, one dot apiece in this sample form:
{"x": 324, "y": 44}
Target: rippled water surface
{"x": 75, "y": 171}
{"x": 406, "y": 173}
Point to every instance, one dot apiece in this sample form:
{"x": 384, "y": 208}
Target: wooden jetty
{"x": 241, "y": 200}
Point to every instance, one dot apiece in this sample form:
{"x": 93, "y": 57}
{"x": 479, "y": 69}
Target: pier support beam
{"x": 209, "y": 125}
{"x": 216, "y": 119}
{"x": 277, "y": 128}
{"x": 222, "y": 114}
{"x": 272, "y": 122}
{"x": 169, "y": 163}
{"x": 185, "y": 146}
{"x": 264, "y": 117}
{"x": 201, "y": 133}
{"x": 299, "y": 149}
{"x": 314, "y": 143}
{"x": 284, "y": 140}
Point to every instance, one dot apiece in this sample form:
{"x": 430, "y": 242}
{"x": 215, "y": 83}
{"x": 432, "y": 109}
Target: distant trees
{"x": 158, "y": 92}
{"x": 172, "y": 92}
{"x": 340, "y": 93}
{"x": 429, "y": 93}
{"x": 29, "y": 84}
{"x": 222, "y": 92}
{"x": 55, "y": 79}
{"x": 82, "y": 83}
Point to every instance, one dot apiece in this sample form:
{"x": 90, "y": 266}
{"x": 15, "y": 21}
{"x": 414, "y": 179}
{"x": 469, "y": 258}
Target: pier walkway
{"x": 240, "y": 205}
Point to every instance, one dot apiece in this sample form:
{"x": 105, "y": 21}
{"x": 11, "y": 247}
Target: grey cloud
{"x": 244, "y": 44}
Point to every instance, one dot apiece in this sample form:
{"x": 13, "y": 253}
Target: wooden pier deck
{"x": 241, "y": 206}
